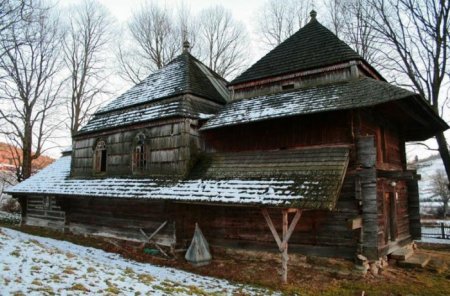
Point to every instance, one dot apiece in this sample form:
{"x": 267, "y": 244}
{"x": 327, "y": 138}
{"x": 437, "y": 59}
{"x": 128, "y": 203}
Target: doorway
{"x": 390, "y": 217}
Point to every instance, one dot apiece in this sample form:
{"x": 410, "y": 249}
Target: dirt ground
{"x": 307, "y": 275}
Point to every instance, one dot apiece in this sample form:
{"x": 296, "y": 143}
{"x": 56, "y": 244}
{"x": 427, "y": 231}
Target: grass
{"x": 112, "y": 288}
{"x": 146, "y": 278}
{"x": 78, "y": 287}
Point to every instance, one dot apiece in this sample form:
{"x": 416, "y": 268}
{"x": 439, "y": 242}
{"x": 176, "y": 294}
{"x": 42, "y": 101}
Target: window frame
{"x": 100, "y": 157}
{"x": 139, "y": 154}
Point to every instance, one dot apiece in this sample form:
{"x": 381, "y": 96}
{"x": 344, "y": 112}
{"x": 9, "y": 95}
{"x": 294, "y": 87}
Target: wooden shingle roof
{"x": 306, "y": 178}
{"x": 350, "y": 94}
{"x": 185, "y": 74}
{"x": 180, "y": 107}
{"x": 160, "y": 96}
{"x": 313, "y": 46}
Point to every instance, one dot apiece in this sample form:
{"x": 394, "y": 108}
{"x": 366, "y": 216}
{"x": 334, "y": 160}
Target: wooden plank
{"x": 289, "y": 231}
{"x": 272, "y": 228}
{"x": 284, "y": 255}
{"x": 355, "y": 223}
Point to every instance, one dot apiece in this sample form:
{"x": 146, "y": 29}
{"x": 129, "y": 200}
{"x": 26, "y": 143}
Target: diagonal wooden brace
{"x": 282, "y": 243}
{"x": 287, "y": 233}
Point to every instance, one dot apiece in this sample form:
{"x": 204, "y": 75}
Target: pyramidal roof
{"x": 185, "y": 74}
{"x": 313, "y": 46}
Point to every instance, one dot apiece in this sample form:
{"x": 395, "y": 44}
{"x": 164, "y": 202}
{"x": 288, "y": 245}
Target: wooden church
{"x": 305, "y": 148}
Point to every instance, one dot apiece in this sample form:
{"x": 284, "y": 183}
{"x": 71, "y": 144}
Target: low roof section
{"x": 413, "y": 114}
{"x": 309, "y": 178}
{"x": 160, "y": 96}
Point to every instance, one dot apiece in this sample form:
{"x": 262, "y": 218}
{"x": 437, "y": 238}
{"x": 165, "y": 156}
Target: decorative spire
{"x": 313, "y": 14}
{"x": 186, "y": 46}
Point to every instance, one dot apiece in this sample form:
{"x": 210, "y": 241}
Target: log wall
{"x": 290, "y": 82}
{"x": 44, "y": 211}
{"x": 119, "y": 218}
{"x": 294, "y": 132}
{"x": 321, "y": 233}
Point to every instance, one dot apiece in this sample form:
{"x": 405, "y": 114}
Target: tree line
{"x": 55, "y": 66}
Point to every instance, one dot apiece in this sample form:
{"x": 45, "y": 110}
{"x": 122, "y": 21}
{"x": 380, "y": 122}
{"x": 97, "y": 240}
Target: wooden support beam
{"x": 284, "y": 255}
{"x": 150, "y": 238}
{"x": 272, "y": 228}
{"x": 287, "y": 230}
{"x": 294, "y": 222}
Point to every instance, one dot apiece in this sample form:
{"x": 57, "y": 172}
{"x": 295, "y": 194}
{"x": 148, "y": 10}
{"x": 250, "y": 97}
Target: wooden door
{"x": 390, "y": 216}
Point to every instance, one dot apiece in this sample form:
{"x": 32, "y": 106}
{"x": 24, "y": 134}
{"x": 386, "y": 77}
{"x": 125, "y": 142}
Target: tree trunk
{"x": 26, "y": 152}
{"x": 26, "y": 161}
{"x": 445, "y": 155}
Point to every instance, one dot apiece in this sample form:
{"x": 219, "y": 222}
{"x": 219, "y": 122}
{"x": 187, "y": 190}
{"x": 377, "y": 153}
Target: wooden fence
{"x": 437, "y": 230}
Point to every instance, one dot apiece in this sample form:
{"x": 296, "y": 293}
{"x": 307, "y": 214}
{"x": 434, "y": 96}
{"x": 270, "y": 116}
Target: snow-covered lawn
{"x": 32, "y": 265}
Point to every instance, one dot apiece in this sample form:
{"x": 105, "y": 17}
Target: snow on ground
{"x": 32, "y": 265}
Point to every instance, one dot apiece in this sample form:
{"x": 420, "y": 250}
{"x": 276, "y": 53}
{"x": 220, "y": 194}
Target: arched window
{"x": 100, "y": 157}
{"x": 139, "y": 154}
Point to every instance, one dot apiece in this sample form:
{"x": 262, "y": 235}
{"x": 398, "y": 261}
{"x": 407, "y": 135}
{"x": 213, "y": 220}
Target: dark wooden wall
{"x": 169, "y": 146}
{"x": 402, "y": 223}
{"x": 43, "y": 211}
{"x": 119, "y": 218}
{"x": 390, "y": 146}
{"x": 292, "y": 132}
{"x": 322, "y": 233}
{"x": 295, "y": 81}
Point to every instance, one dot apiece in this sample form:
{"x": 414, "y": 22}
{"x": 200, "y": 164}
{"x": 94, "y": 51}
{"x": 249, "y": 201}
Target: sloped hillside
{"x": 428, "y": 168}
{"x": 7, "y": 154}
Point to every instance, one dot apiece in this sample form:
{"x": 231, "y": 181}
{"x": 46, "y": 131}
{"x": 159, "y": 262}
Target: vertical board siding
{"x": 169, "y": 147}
{"x": 282, "y": 134}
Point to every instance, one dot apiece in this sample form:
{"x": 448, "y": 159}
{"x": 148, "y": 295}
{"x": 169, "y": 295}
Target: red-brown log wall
{"x": 312, "y": 130}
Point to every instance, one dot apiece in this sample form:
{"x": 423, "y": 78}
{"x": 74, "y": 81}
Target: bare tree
{"x": 336, "y": 10}
{"x": 415, "y": 37}
{"x": 187, "y": 24}
{"x": 28, "y": 88}
{"x": 440, "y": 191}
{"x": 222, "y": 41}
{"x": 348, "y": 19}
{"x": 155, "y": 41}
{"x": 277, "y": 20}
{"x": 84, "y": 48}
{"x": 11, "y": 12}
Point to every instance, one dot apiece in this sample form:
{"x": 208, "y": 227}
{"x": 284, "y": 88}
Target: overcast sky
{"x": 242, "y": 10}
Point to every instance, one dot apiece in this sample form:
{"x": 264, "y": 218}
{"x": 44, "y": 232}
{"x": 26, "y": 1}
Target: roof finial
{"x": 313, "y": 14}
{"x": 186, "y": 46}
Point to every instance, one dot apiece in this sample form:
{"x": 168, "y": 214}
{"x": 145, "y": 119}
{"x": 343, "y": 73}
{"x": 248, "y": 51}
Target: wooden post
{"x": 286, "y": 235}
{"x": 284, "y": 255}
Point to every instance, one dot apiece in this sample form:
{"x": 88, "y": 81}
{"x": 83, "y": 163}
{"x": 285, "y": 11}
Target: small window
{"x": 287, "y": 86}
{"x": 100, "y": 157}
{"x": 139, "y": 154}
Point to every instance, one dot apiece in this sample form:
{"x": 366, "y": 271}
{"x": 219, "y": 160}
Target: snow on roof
{"x": 308, "y": 190}
{"x": 338, "y": 96}
{"x": 170, "y": 108}
{"x": 183, "y": 74}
